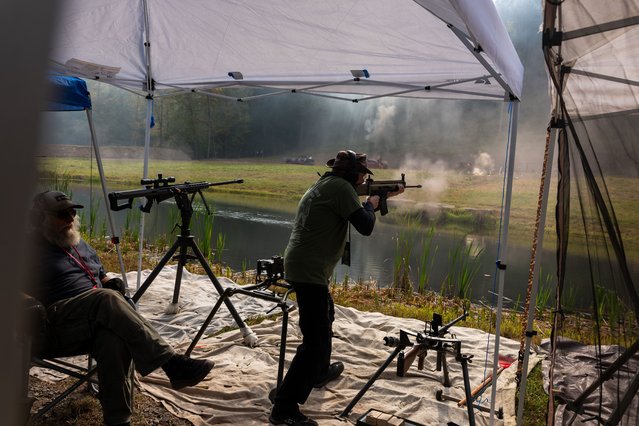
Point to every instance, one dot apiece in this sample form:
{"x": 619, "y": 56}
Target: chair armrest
{"x": 34, "y": 323}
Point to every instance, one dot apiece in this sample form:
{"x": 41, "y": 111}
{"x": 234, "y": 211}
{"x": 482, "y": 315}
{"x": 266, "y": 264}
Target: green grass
{"x": 471, "y": 203}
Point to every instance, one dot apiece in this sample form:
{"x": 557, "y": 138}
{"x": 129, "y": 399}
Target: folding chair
{"x": 33, "y": 343}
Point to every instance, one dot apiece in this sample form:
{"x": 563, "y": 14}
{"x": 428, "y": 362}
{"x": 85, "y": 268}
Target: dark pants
{"x": 101, "y": 322}
{"x": 311, "y": 361}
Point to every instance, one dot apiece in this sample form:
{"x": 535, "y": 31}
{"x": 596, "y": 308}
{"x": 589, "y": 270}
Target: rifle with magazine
{"x": 432, "y": 339}
{"x": 382, "y": 188}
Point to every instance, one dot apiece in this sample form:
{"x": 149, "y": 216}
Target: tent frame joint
{"x": 552, "y": 38}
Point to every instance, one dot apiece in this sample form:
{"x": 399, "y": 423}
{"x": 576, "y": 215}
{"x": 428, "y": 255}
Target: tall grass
{"x": 93, "y": 215}
{"x": 545, "y": 292}
{"x": 131, "y": 221}
{"x": 426, "y": 259}
{"x": 401, "y": 262}
{"x": 219, "y": 246}
{"x": 464, "y": 263}
{"x": 61, "y": 182}
{"x": 206, "y": 220}
{"x": 404, "y": 243}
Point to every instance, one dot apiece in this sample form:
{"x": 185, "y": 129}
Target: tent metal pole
{"x": 147, "y": 130}
{"x": 114, "y": 238}
{"x": 145, "y": 175}
{"x": 536, "y": 259}
{"x": 502, "y": 259}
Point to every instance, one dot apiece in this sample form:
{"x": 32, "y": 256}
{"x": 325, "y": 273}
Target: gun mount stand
{"x": 433, "y": 342}
{"x": 183, "y": 242}
{"x": 260, "y": 291}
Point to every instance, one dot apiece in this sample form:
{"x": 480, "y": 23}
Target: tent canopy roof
{"x": 422, "y": 48}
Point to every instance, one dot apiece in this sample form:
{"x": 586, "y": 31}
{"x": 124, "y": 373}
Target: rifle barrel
{"x": 444, "y": 329}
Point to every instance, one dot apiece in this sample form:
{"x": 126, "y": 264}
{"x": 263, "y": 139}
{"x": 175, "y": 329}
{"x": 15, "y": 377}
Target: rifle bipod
{"x": 399, "y": 344}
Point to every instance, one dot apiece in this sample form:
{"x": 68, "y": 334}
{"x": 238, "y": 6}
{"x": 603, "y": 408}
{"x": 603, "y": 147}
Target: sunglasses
{"x": 64, "y": 214}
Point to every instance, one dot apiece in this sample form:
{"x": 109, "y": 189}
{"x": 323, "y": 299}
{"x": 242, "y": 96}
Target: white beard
{"x": 66, "y": 238}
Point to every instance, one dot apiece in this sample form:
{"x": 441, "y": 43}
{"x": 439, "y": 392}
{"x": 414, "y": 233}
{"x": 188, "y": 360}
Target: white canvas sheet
{"x": 236, "y": 392}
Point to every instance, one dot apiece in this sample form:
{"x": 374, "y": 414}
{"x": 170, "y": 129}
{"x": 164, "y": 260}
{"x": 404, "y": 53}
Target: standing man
{"x": 316, "y": 244}
{"x": 87, "y": 312}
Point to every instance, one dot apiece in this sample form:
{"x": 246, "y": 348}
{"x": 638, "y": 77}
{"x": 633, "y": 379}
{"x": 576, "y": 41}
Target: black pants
{"x": 311, "y": 361}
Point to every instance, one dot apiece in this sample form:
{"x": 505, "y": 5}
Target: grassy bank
{"x": 449, "y": 201}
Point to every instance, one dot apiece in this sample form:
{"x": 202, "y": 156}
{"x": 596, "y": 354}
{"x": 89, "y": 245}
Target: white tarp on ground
{"x": 293, "y": 44}
{"x": 236, "y": 391}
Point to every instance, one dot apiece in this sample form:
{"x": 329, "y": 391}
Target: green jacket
{"x": 319, "y": 231}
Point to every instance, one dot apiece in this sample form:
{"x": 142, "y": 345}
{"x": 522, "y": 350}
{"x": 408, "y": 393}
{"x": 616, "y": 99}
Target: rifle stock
{"x": 382, "y": 188}
{"x": 406, "y": 358}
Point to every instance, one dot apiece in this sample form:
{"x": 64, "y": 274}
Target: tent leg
{"x": 114, "y": 238}
{"x": 501, "y": 262}
{"x": 145, "y": 175}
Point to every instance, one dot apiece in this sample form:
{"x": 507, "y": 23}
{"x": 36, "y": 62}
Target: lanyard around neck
{"x": 82, "y": 265}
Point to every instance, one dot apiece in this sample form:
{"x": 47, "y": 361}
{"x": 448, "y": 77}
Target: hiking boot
{"x": 183, "y": 371}
{"x": 290, "y": 418}
{"x": 333, "y": 372}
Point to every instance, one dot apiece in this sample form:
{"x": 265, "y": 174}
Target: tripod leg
{"x": 218, "y": 286}
{"x": 178, "y": 277}
{"x": 280, "y": 367}
{"x": 370, "y": 382}
{"x": 471, "y": 415}
{"x": 206, "y": 323}
{"x": 445, "y": 368}
{"x": 155, "y": 272}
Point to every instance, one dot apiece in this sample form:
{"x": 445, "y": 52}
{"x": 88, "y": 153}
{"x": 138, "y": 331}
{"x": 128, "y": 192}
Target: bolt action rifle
{"x": 430, "y": 340}
{"x": 160, "y": 189}
{"x": 382, "y": 188}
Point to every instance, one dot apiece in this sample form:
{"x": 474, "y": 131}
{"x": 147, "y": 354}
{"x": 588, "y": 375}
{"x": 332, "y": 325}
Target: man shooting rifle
{"x": 382, "y": 188}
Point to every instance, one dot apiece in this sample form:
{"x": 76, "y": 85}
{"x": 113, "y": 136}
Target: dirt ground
{"x": 82, "y": 408}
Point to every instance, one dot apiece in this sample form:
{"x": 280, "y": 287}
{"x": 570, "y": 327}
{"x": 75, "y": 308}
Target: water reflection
{"x": 258, "y": 229}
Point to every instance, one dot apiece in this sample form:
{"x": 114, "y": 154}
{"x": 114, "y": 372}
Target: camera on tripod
{"x": 273, "y": 268}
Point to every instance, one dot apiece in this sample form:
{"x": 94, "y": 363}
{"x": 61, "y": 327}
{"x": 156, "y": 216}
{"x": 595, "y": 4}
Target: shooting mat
{"x": 236, "y": 391}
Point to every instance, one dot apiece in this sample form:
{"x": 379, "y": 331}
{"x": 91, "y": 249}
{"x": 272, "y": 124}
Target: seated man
{"x": 86, "y": 315}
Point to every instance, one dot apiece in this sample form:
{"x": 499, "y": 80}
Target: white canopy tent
{"x": 436, "y": 48}
{"x": 344, "y": 49}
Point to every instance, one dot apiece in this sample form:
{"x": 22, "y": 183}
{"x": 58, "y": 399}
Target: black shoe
{"x": 183, "y": 371}
{"x": 278, "y": 417}
{"x": 333, "y": 372}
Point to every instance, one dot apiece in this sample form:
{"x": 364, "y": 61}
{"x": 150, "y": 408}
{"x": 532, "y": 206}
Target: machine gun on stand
{"x": 382, "y": 188}
{"x": 406, "y": 358}
{"x": 433, "y": 340}
{"x": 156, "y": 191}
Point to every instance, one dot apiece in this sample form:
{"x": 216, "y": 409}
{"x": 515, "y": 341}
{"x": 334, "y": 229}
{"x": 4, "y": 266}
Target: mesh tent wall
{"x": 591, "y": 54}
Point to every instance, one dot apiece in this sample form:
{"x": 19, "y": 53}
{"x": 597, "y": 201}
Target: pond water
{"x": 258, "y": 229}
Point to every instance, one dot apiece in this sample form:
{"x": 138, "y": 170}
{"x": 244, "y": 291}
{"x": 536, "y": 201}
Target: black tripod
{"x": 185, "y": 241}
